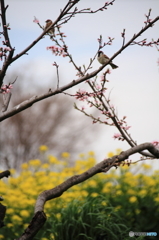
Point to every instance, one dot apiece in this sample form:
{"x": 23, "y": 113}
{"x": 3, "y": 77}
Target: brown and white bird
{"x": 103, "y": 59}
{"x": 48, "y": 24}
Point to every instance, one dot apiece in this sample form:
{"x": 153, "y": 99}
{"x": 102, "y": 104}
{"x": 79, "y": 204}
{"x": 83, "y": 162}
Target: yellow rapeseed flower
{"x": 142, "y": 193}
{"x": 84, "y": 193}
{"x": 106, "y": 190}
{"x": 128, "y": 175}
{"x": 125, "y": 167}
{"x": 110, "y": 154}
{"x": 92, "y": 183}
{"x": 109, "y": 184}
{"x": 47, "y": 214}
{"x": 35, "y": 162}
{"x": 118, "y": 151}
{"x": 91, "y": 153}
{"x": 10, "y": 211}
{"x": 146, "y": 166}
{"x": 43, "y": 148}
{"x": 94, "y": 194}
{"x": 104, "y": 203}
{"x": 16, "y": 219}
{"x": 12, "y": 171}
{"x": 24, "y": 213}
{"x": 117, "y": 208}
{"x": 24, "y": 166}
{"x": 131, "y": 192}
{"x": 91, "y": 162}
{"x": 45, "y": 165}
{"x": 119, "y": 192}
{"x": 65, "y": 155}
{"x": 133, "y": 199}
{"x": 52, "y": 237}
{"x": 107, "y": 187}
{"x": 9, "y": 225}
{"x": 156, "y": 199}
{"x": 53, "y": 160}
{"x": 13, "y": 181}
{"x": 58, "y": 215}
{"x": 25, "y": 225}
{"x": 152, "y": 182}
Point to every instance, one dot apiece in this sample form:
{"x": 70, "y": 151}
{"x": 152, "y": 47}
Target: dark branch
{"x": 5, "y": 174}
{"x": 7, "y": 42}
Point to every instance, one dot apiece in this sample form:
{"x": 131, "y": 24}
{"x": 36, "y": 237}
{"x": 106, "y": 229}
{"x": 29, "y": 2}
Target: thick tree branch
{"x": 36, "y": 224}
{"x": 103, "y": 166}
{"x": 100, "y": 167}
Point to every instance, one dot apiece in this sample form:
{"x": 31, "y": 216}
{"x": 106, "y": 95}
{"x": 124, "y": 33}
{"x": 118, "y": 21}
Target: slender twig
{"x": 57, "y": 71}
{"x": 6, "y": 100}
{"x": 123, "y": 36}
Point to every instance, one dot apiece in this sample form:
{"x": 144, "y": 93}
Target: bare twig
{"x": 57, "y": 71}
{"x": 123, "y": 36}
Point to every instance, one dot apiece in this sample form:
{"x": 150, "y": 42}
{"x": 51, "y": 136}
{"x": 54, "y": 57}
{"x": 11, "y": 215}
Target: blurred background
{"x": 54, "y": 122}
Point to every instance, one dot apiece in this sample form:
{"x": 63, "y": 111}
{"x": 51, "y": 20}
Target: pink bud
{"x": 36, "y": 20}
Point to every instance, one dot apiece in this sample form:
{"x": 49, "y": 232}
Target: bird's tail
{"x": 113, "y": 65}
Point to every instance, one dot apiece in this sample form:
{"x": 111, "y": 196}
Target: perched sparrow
{"x": 103, "y": 59}
{"x": 48, "y": 24}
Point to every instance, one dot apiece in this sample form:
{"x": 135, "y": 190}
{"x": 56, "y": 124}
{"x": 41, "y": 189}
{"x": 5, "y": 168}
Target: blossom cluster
{"x": 155, "y": 143}
{"x": 118, "y": 136}
{"x": 6, "y": 88}
{"x": 58, "y": 51}
{"x": 147, "y": 44}
{"x": 106, "y": 110}
{"x": 82, "y": 95}
{"x": 36, "y": 20}
{"x": 101, "y": 44}
{"x": 148, "y": 20}
{"x": 3, "y": 51}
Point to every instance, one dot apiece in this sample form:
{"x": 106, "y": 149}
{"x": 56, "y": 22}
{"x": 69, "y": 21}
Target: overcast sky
{"x": 134, "y": 85}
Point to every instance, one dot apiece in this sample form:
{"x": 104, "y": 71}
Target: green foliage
{"x": 87, "y": 220}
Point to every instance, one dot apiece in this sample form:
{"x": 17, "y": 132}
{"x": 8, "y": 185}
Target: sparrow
{"x": 48, "y": 24}
{"x": 103, "y": 59}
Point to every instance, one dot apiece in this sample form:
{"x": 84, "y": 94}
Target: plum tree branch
{"x": 7, "y": 42}
{"x": 10, "y": 59}
{"x": 28, "y": 103}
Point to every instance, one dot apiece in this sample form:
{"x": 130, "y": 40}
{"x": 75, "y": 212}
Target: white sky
{"x": 134, "y": 85}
